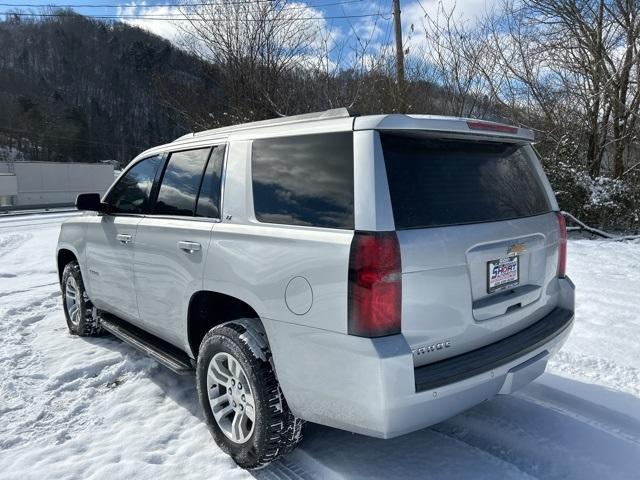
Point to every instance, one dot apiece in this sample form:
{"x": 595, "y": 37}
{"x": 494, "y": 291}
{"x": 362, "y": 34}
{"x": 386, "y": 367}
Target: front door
{"x": 111, "y": 238}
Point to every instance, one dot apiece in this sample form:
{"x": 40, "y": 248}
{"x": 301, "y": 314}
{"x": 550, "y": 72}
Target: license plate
{"x": 502, "y": 273}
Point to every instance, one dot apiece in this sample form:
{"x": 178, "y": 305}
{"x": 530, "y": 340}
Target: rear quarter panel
{"x": 269, "y": 266}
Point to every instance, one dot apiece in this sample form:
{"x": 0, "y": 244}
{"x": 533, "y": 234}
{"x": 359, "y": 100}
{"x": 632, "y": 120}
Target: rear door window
{"x": 181, "y": 182}
{"x": 304, "y": 180}
{"x": 439, "y": 182}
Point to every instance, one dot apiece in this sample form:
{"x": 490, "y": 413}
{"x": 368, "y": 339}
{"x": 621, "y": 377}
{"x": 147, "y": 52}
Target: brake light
{"x": 375, "y": 284}
{"x": 490, "y": 126}
{"x": 562, "y": 245}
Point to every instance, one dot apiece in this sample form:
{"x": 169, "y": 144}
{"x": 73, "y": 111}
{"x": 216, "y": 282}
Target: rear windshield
{"x": 439, "y": 182}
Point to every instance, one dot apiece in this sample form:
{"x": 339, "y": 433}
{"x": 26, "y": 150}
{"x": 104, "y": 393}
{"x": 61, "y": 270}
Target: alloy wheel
{"x": 230, "y": 397}
{"x": 72, "y": 300}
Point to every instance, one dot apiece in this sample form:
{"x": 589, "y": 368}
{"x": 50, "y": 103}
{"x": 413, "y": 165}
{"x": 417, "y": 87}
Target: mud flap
{"x": 525, "y": 373}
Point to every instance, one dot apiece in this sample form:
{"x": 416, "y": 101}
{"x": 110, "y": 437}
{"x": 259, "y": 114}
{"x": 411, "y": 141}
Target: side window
{"x": 304, "y": 180}
{"x": 131, "y": 193}
{"x": 209, "y": 198}
{"x": 181, "y": 182}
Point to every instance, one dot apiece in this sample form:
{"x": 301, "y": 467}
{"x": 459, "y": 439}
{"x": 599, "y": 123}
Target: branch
{"x": 598, "y": 232}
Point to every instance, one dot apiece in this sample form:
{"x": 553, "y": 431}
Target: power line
{"x": 184, "y": 4}
{"x": 172, "y": 17}
{"x": 129, "y": 5}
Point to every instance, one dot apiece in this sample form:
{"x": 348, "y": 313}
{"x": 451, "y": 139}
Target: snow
{"x": 96, "y": 408}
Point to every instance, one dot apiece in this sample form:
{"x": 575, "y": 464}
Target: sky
{"x": 376, "y": 30}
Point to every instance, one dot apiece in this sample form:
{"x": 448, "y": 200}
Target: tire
{"x": 274, "y": 430}
{"x": 81, "y": 316}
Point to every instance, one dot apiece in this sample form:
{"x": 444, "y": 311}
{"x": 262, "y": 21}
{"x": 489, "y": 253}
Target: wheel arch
{"x": 64, "y": 257}
{"x": 207, "y": 309}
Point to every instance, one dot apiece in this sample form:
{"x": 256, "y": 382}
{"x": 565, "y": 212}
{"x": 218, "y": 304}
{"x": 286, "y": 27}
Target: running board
{"x": 162, "y": 352}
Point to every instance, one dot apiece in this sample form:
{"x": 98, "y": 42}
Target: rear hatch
{"x": 478, "y": 240}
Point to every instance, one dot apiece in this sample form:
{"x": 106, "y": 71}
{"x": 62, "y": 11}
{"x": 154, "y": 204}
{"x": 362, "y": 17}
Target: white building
{"x": 8, "y": 188}
{"x": 47, "y": 184}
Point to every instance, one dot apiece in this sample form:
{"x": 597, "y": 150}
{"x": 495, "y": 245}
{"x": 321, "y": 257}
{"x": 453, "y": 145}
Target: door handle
{"x": 123, "y": 238}
{"x": 189, "y": 247}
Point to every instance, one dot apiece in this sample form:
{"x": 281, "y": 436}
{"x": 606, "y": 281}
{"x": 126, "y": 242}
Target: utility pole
{"x": 399, "y": 53}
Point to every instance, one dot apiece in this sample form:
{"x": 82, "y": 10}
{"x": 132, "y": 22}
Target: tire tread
{"x": 89, "y": 325}
{"x": 284, "y": 430}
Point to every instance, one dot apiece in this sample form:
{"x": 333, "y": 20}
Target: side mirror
{"x": 90, "y": 202}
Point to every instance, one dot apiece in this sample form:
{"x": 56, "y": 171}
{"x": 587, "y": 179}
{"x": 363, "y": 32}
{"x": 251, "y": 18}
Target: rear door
{"x": 111, "y": 239}
{"x": 172, "y": 242}
{"x": 478, "y": 240}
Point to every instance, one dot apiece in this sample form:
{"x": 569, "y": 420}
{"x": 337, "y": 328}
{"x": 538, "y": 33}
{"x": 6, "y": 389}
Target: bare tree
{"x": 573, "y": 60}
{"x": 257, "y": 46}
{"x": 455, "y": 59}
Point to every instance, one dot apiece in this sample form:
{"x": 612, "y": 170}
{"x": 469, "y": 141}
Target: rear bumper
{"x": 495, "y": 355}
{"x": 370, "y": 386}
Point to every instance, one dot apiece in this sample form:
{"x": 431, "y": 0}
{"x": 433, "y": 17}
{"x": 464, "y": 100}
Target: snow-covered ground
{"x": 96, "y": 408}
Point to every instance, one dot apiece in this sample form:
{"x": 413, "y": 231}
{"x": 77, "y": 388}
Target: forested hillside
{"x": 76, "y": 89}
{"x": 79, "y": 89}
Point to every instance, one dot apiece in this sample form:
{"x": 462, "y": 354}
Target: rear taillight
{"x": 562, "y": 245}
{"x": 375, "y": 284}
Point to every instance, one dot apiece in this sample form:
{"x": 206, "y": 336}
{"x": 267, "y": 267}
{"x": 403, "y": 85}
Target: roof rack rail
{"x": 333, "y": 113}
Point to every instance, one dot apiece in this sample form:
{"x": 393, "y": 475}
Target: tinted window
{"x": 209, "y": 198}
{"x": 304, "y": 180}
{"x": 181, "y": 182}
{"x": 449, "y": 182}
{"x": 131, "y": 193}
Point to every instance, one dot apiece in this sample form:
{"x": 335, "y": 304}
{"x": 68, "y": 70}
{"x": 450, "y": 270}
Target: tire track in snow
{"x": 35, "y": 405}
{"x": 45, "y": 304}
{"x": 603, "y": 418}
{"x": 17, "y": 389}
{"x": 9, "y": 242}
{"x": 30, "y": 289}
{"x": 52, "y": 405}
{"x": 548, "y": 441}
{"x": 283, "y": 469}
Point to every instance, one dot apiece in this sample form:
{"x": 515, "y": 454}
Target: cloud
{"x": 171, "y": 30}
{"x": 320, "y": 54}
{"x": 376, "y": 33}
{"x": 161, "y": 27}
{"x": 413, "y": 14}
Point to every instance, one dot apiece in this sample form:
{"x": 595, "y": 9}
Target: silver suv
{"x": 376, "y": 274}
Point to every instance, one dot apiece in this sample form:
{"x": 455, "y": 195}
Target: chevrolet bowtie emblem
{"x": 515, "y": 249}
